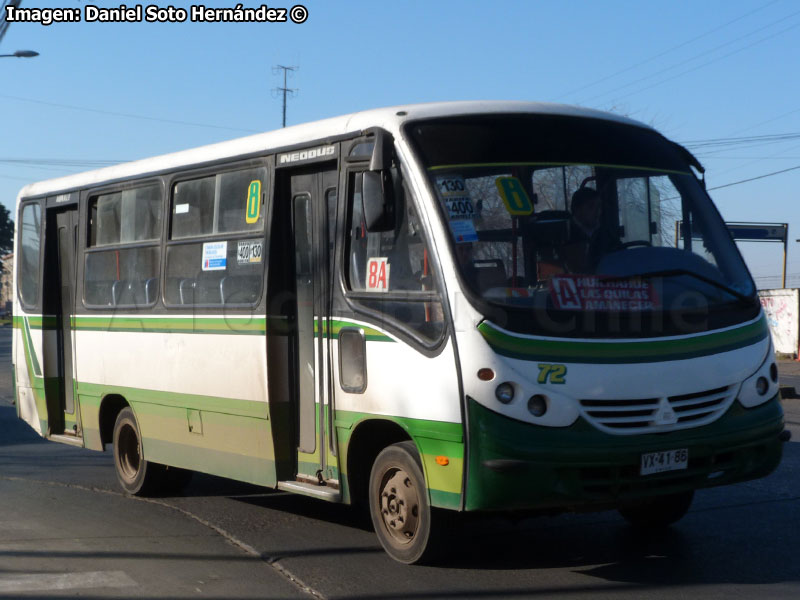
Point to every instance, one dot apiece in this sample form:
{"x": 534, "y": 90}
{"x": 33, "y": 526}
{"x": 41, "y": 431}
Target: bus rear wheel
{"x": 398, "y": 503}
{"x": 136, "y": 475}
{"x": 658, "y": 512}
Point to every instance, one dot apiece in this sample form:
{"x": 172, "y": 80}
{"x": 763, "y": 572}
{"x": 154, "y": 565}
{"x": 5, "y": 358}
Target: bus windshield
{"x": 554, "y": 219}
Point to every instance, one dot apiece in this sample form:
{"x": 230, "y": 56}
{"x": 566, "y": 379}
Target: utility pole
{"x": 285, "y": 90}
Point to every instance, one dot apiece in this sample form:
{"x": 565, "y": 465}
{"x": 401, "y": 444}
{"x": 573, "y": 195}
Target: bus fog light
{"x": 762, "y": 385}
{"x": 504, "y": 392}
{"x": 537, "y": 405}
{"x": 773, "y": 372}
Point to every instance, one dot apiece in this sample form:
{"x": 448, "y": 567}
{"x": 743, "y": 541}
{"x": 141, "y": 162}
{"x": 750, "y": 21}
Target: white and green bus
{"x": 478, "y": 306}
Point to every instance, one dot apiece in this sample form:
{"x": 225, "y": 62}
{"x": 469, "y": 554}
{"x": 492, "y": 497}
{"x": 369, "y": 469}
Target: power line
{"x": 731, "y": 141}
{"x": 665, "y": 52}
{"x": 700, "y": 66}
{"x": 719, "y": 187}
{"x": 126, "y": 115}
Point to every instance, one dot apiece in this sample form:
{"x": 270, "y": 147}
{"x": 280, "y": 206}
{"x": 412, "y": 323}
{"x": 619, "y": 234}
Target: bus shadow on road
{"x": 310, "y": 508}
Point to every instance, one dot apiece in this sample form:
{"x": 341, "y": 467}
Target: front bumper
{"x": 518, "y": 466}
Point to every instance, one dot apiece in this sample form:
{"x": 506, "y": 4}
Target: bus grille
{"x": 653, "y": 415}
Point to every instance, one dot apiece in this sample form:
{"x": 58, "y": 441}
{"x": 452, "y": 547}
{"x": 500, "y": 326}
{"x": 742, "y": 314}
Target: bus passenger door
{"x": 59, "y": 303}
{"x": 311, "y": 196}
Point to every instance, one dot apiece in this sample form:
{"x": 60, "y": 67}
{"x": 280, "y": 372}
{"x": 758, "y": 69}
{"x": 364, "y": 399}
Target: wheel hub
{"x": 400, "y": 505}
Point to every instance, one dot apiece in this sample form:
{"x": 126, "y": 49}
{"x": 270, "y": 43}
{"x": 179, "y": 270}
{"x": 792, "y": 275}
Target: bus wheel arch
{"x": 110, "y": 407}
{"x": 368, "y": 439}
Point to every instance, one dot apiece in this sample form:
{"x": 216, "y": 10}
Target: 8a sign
{"x": 378, "y": 274}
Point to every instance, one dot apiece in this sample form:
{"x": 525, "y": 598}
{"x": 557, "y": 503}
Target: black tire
{"x": 398, "y": 504}
{"x": 658, "y": 512}
{"x": 136, "y": 475}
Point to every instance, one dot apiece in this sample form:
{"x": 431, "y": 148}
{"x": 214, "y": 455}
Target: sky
{"x": 720, "y": 76}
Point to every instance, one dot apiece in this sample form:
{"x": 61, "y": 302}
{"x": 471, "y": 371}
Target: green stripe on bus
{"x": 526, "y": 348}
{"x": 333, "y": 328}
{"x": 435, "y": 430}
{"x": 30, "y": 351}
{"x": 223, "y": 325}
{"x": 36, "y": 322}
{"x": 148, "y": 324}
{"x": 213, "y": 325}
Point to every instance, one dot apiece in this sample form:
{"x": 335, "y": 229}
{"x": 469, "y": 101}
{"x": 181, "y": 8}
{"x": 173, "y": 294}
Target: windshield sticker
{"x": 378, "y": 274}
{"x": 215, "y": 256}
{"x": 590, "y": 292}
{"x": 455, "y": 197}
{"x": 181, "y": 209}
{"x": 463, "y": 231}
{"x": 253, "y": 202}
{"x": 249, "y": 251}
{"x": 451, "y": 186}
{"x": 514, "y": 196}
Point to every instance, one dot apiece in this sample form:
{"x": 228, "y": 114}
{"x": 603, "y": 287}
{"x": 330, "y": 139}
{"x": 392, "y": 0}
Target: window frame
{"x": 261, "y": 162}
{"x": 34, "y": 307}
{"x": 92, "y": 194}
{"x": 353, "y": 298}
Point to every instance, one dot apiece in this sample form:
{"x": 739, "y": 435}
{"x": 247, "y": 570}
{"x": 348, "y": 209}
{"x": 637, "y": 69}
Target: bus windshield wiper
{"x": 670, "y": 272}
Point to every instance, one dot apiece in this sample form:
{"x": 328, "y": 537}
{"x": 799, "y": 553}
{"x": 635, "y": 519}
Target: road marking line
{"x": 64, "y": 581}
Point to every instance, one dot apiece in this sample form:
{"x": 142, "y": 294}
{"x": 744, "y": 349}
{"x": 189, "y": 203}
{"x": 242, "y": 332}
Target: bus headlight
{"x": 537, "y": 405}
{"x": 504, "y": 392}
{"x": 761, "y": 385}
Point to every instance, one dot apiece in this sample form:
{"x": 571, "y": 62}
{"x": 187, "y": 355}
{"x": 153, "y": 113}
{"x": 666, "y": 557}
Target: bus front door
{"x": 313, "y": 209}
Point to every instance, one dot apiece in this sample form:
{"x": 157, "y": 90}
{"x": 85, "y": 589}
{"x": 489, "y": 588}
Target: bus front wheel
{"x": 136, "y": 475}
{"x": 398, "y": 503}
{"x": 658, "y": 512}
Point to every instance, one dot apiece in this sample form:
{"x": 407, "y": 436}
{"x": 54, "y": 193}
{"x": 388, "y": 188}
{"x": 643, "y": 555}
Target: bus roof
{"x": 390, "y": 118}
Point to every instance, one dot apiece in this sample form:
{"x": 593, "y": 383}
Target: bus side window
{"x": 403, "y": 248}
{"x": 117, "y": 274}
{"x": 393, "y": 261}
{"x": 30, "y": 249}
{"x": 226, "y": 269}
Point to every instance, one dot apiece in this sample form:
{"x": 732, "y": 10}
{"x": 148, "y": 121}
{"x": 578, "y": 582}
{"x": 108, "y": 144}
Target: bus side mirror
{"x": 378, "y": 190}
{"x": 378, "y": 199}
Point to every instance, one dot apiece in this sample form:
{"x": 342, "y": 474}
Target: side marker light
{"x": 485, "y": 374}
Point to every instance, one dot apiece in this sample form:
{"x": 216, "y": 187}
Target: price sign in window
{"x": 455, "y": 198}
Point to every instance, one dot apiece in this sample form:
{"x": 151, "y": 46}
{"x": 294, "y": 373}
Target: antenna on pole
{"x": 284, "y": 90}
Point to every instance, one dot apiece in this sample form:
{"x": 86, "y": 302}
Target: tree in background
{"x": 6, "y": 231}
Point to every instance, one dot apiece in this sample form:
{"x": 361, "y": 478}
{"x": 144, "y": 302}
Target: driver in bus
{"x": 589, "y": 240}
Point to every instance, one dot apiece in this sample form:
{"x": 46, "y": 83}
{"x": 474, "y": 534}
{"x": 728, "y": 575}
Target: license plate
{"x": 668, "y": 460}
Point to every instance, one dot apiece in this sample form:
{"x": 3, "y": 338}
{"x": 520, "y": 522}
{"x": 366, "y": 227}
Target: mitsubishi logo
{"x": 665, "y": 415}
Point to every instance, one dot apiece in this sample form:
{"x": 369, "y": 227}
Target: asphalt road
{"x": 66, "y": 529}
